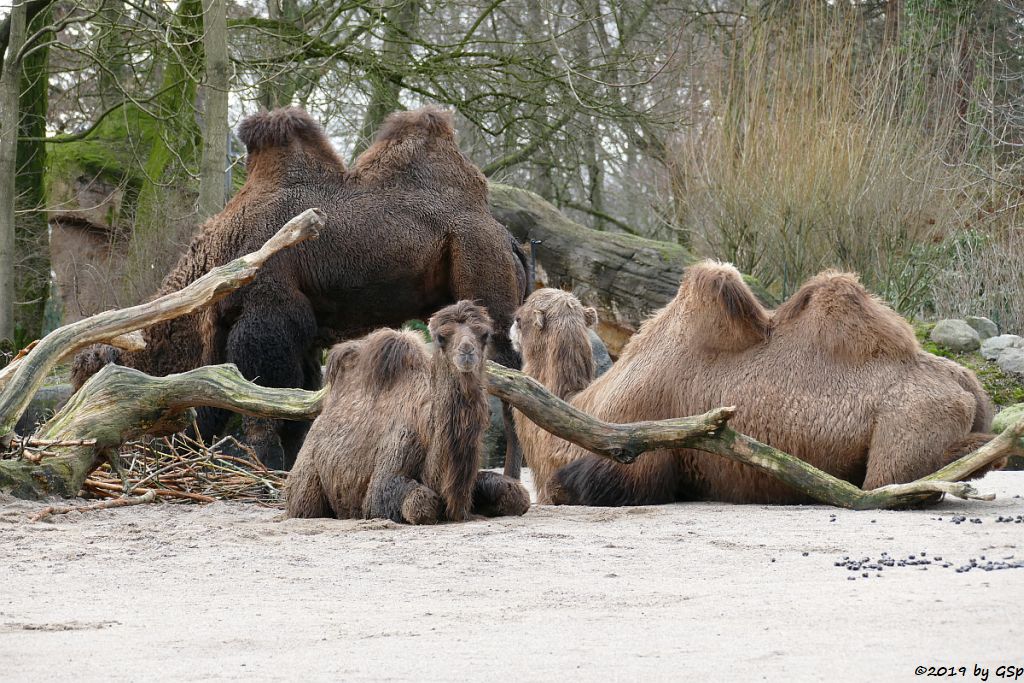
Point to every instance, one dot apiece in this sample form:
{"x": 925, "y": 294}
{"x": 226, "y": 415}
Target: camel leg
{"x": 495, "y": 495}
{"x": 270, "y": 342}
{"x": 293, "y": 432}
{"x": 404, "y": 500}
{"x": 916, "y": 434}
{"x": 513, "y": 449}
{"x": 305, "y": 493}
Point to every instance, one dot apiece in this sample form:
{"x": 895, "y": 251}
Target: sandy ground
{"x": 697, "y": 591}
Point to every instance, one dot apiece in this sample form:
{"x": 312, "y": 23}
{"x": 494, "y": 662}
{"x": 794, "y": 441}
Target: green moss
{"x": 1004, "y": 389}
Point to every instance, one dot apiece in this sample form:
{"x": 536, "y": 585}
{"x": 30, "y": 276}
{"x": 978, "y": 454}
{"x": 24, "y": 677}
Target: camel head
{"x": 461, "y": 332}
{"x": 546, "y": 312}
{"x": 551, "y": 331}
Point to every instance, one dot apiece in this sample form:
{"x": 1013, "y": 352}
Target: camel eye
{"x": 441, "y": 339}
{"x": 485, "y": 337}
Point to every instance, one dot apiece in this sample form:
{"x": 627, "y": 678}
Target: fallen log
{"x": 625, "y": 277}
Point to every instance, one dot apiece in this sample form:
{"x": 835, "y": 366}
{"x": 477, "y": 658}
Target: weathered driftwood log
{"x": 119, "y": 403}
{"x": 624, "y": 276}
{"x": 104, "y": 327}
{"x": 132, "y": 341}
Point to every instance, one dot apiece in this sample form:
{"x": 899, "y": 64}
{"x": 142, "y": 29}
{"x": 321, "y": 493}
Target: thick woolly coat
{"x": 833, "y": 377}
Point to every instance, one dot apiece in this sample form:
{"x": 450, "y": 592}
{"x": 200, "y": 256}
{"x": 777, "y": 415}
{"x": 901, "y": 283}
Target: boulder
{"x": 602, "y": 361}
{"x": 955, "y": 335}
{"x": 1011, "y": 361}
{"x": 983, "y": 326}
{"x": 1006, "y": 417}
{"x": 993, "y": 347}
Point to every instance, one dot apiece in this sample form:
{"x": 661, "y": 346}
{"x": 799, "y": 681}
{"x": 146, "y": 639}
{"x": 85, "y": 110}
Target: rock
{"x": 602, "y": 361}
{"x": 1006, "y": 417}
{"x": 983, "y": 326}
{"x": 47, "y": 401}
{"x": 955, "y": 335}
{"x": 1011, "y": 360}
{"x": 994, "y": 346}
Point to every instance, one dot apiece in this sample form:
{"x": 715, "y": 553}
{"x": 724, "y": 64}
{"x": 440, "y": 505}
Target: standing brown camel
{"x": 833, "y": 377}
{"x": 407, "y": 232}
{"x": 400, "y": 433}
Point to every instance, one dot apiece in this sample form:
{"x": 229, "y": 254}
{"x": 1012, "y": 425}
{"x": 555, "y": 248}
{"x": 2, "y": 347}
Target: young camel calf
{"x": 400, "y": 433}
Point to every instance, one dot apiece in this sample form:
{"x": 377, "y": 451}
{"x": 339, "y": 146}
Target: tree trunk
{"x": 10, "y": 85}
{"x": 401, "y": 21}
{"x": 32, "y": 244}
{"x": 625, "y": 277}
{"x": 170, "y": 138}
{"x": 215, "y": 116}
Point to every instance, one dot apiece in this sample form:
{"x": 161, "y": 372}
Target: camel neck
{"x": 458, "y": 417}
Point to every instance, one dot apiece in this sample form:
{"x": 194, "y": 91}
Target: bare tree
{"x": 215, "y": 115}
{"x": 10, "y": 89}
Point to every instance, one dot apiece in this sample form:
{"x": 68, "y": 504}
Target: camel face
{"x": 462, "y": 332}
{"x": 549, "y": 319}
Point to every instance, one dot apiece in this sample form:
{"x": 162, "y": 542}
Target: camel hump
{"x": 426, "y": 122}
{"x": 835, "y": 312}
{"x": 279, "y": 128}
{"x": 342, "y": 358}
{"x": 388, "y": 355}
{"x": 723, "y": 314}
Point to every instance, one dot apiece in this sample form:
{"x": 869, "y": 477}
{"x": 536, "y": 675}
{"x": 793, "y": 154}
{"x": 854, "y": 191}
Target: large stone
{"x": 985, "y": 327}
{"x": 602, "y": 361}
{"x": 1011, "y": 360}
{"x": 1005, "y": 418}
{"x": 993, "y": 347}
{"x": 955, "y": 335}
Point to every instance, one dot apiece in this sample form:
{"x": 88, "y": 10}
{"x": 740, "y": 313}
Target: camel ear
{"x": 590, "y": 316}
{"x": 538, "y": 319}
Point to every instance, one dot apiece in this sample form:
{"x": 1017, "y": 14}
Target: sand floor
{"x": 689, "y": 591}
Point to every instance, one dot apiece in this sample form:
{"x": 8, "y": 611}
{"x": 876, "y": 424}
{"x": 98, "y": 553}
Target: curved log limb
{"x": 31, "y": 372}
{"x": 119, "y": 404}
{"x": 132, "y": 341}
{"x": 825, "y": 488}
{"x": 621, "y": 442}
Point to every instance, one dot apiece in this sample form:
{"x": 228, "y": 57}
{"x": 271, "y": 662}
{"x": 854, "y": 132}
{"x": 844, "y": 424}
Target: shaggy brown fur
{"x": 833, "y": 377}
{"x": 408, "y": 232}
{"x": 550, "y": 331}
{"x": 400, "y": 432}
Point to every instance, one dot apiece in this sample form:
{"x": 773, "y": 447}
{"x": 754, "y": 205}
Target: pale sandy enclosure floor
{"x": 679, "y": 592}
